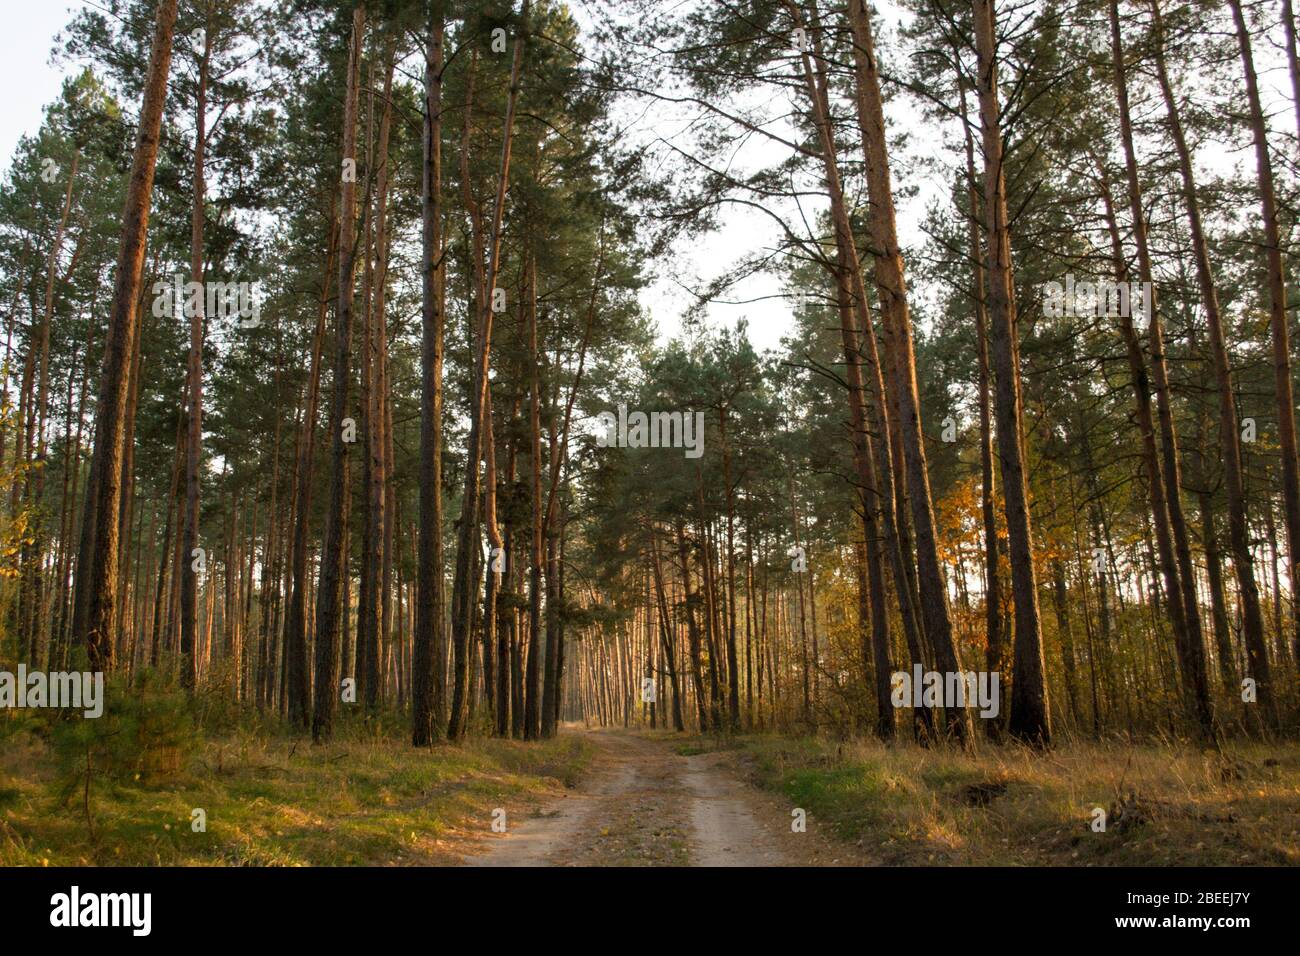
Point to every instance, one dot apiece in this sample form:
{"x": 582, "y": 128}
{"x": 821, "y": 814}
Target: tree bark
{"x": 297, "y": 687}
{"x": 1229, "y": 425}
{"x": 428, "y": 655}
{"x": 96, "y": 583}
{"x": 1191, "y": 647}
{"x": 995, "y": 651}
{"x": 463, "y": 603}
{"x": 194, "y": 443}
{"x": 329, "y": 595}
{"x": 895, "y": 314}
{"x": 1030, "y": 717}
{"x": 1277, "y": 309}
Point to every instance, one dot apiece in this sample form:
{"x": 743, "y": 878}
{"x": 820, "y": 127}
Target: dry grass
{"x": 1014, "y": 806}
{"x": 277, "y": 801}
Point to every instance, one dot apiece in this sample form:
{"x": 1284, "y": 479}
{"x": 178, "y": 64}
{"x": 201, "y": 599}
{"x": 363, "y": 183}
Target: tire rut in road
{"x": 643, "y": 806}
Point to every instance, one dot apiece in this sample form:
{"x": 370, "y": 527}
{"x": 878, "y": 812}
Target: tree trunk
{"x": 995, "y": 650}
{"x": 329, "y": 595}
{"x": 1277, "y": 309}
{"x": 296, "y": 686}
{"x": 532, "y": 688}
{"x": 895, "y": 314}
{"x": 1191, "y": 641}
{"x": 428, "y": 656}
{"x": 462, "y": 601}
{"x": 1029, "y": 719}
{"x": 1229, "y": 434}
{"x": 692, "y": 629}
{"x": 666, "y": 633}
{"x": 1162, "y": 493}
{"x": 194, "y": 443}
{"x": 373, "y": 594}
{"x": 1292, "y": 57}
{"x": 96, "y": 584}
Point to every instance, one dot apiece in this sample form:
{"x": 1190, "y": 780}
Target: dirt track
{"x": 645, "y": 805}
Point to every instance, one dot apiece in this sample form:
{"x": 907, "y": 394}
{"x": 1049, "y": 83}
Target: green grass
{"x": 1013, "y": 806}
{"x": 275, "y": 800}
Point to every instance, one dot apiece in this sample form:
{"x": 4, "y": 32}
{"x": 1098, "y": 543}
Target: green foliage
{"x": 146, "y": 734}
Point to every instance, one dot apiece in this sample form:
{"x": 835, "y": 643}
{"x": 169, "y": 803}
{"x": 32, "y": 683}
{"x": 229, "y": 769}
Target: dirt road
{"x": 645, "y": 805}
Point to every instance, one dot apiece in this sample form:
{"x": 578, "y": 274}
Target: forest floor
{"x": 277, "y": 801}
{"x": 657, "y": 798}
{"x": 647, "y": 798}
{"x": 1012, "y": 806}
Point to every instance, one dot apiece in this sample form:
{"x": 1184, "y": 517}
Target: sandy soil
{"x": 645, "y": 805}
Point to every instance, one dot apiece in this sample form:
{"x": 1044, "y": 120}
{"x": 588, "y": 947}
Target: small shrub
{"x": 146, "y": 733}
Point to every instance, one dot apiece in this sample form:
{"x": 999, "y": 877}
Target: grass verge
{"x": 278, "y": 801}
{"x": 1010, "y": 806}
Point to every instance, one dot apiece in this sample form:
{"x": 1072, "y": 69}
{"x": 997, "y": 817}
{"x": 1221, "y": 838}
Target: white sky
{"x": 26, "y": 76}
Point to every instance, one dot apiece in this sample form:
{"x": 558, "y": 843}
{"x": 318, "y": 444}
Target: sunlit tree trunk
{"x": 896, "y": 315}
{"x": 96, "y": 582}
